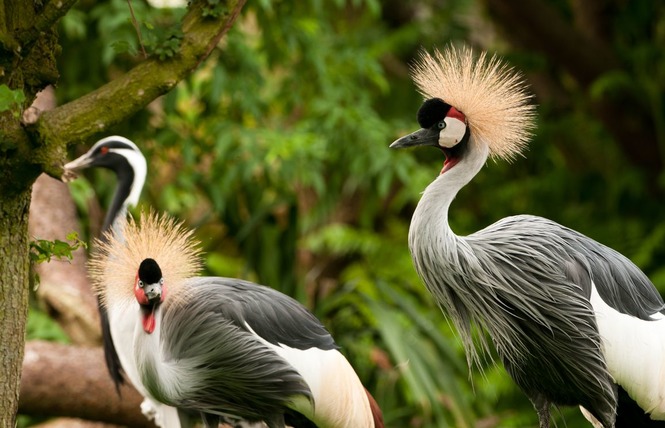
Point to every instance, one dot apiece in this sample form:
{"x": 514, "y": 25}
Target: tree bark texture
{"x": 72, "y": 381}
{"x": 14, "y": 268}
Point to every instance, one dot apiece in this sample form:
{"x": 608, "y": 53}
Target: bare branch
{"x": 73, "y": 423}
{"x": 71, "y": 381}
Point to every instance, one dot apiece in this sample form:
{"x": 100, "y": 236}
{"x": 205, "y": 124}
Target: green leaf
{"x": 43, "y": 250}
{"x": 121, "y": 46}
{"x": 10, "y": 99}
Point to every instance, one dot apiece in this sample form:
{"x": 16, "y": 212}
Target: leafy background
{"x": 276, "y": 151}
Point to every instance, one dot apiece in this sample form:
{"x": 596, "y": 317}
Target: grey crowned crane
{"x": 573, "y": 321}
{"x": 213, "y": 346}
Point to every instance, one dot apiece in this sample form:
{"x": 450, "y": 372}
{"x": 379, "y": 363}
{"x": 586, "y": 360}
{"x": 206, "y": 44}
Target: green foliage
{"x": 213, "y": 8}
{"x": 11, "y": 100}
{"x": 165, "y": 45}
{"x": 42, "y": 327}
{"x": 43, "y": 250}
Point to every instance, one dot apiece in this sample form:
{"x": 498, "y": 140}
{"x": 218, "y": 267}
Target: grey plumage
{"x": 213, "y": 342}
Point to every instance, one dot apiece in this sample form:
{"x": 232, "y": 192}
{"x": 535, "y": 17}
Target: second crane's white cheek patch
{"x": 452, "y": 133}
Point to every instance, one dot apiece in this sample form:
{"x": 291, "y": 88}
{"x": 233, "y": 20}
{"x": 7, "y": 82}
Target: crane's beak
{"x": 153, "y": 292}
{"x": 72, "y": 168}
{"x": 422, "y": 137}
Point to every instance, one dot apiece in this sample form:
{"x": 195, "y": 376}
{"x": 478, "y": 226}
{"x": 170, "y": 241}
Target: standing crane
{"x": 215, "y": 346}
{"x": 573, "y": 321}
{"x": 126, "y": 161}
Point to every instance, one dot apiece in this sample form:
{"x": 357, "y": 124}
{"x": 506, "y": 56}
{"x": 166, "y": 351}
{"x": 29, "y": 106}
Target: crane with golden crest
{"x": 573, "y": 321}
{"x": 213, "y": 347}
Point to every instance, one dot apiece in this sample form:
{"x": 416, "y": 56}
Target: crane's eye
{"x": 441, "y": 124}
{"x": 140, "y": 284}
{"x": 104, "y": 150}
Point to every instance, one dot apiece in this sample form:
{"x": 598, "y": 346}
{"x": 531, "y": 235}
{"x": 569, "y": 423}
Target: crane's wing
{"x": 536, "y": 306}
{"x": 215, "y": 347}
{"x": 110, "y": 354}
{"x": 620, "y": 283}
{"x": 571, "y": 279}
{"x": 276, "y": 317}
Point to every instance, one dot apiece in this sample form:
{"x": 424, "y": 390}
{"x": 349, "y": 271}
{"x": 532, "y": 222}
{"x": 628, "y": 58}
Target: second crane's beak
{"x": 422, "y": 137}
{"x": 72, "y": 168}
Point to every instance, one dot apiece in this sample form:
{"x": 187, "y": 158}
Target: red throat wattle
{"x": 149, "y": 318}
{"x": 148, "y": 308}
{"x": 448, "y": 163}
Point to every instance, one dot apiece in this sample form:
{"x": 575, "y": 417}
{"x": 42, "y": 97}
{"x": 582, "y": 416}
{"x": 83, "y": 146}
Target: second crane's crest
{"x": 114, "y": 265}
{"x": 491, "y": 94}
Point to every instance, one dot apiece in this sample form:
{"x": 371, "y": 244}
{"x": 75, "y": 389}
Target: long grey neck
{"x": 430, "y": 219}
{"x": 439, "y": 255}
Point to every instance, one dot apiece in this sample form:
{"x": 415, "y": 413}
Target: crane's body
{"x": 220, "y": 346}
{"x": 569, "y": 317}
{"x": 124, "y": 158}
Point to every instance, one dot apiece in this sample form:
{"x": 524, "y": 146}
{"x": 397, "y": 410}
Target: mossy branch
{"x": 75, "y": 122}
{"x": 46, "y": 19}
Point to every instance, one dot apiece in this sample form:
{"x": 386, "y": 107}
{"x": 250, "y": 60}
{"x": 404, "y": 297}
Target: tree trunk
{"x": 14, "y": 266}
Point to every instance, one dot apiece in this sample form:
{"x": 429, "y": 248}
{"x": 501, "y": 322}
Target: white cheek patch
{"x": 452, "y": 133}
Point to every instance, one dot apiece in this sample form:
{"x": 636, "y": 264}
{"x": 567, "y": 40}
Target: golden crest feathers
{"x": 114, "y": 264}
{"x": 491, "y": 94}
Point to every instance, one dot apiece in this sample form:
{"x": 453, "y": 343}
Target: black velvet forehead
{"x": 149, "y": 271}
{"x": 432, "y": 112}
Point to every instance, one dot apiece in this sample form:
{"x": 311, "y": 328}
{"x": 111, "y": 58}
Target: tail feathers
{"x": 376, "y": 411}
